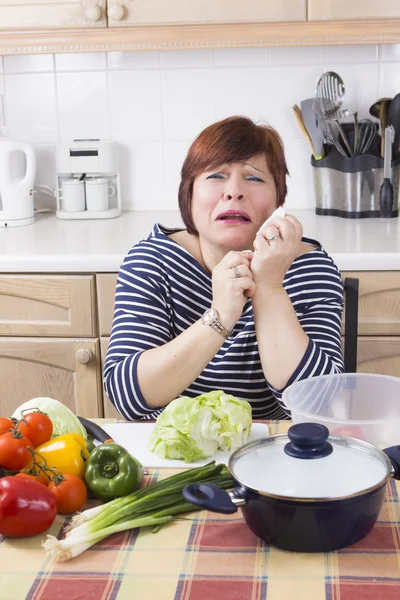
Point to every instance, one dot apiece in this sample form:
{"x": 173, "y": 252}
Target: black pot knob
{"x": 308, "y": 440}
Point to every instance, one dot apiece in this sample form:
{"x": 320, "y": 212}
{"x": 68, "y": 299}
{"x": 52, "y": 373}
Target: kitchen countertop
{"x": 52, "y": 245}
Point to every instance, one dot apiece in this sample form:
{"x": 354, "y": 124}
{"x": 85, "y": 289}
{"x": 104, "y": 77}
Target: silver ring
{"x": 274, "y": 237}
{"x": 236, "y": 271}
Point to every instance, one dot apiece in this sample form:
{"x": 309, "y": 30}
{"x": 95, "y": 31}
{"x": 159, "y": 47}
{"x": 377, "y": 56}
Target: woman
{"x": 195, "y": 312}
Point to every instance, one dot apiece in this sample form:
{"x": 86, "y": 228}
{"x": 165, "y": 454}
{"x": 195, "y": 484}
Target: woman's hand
{"x": 232, "y": 284}
{"x": 272, "y": 259}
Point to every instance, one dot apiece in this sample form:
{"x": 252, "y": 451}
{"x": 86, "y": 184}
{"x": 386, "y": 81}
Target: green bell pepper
{"x": 111, "y": 472}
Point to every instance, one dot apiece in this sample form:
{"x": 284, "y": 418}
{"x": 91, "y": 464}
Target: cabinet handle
{"x": 116, "y": 12}
{"x": 93, "y": 13}
{"x": 84, "y": 355}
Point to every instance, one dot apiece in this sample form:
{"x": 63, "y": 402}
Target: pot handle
{"x": 210, "y": 496}
{"x": 394, "y": 455}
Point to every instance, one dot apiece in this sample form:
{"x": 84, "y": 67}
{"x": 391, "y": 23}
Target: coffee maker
{"x": 88, "y": 182}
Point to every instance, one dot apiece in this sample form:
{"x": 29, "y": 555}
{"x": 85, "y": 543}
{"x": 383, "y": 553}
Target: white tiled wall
{"x": 155, "y": 103}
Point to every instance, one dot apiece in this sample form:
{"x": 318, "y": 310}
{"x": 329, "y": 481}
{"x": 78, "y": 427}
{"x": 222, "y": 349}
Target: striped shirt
{"x": 162, "y": 290}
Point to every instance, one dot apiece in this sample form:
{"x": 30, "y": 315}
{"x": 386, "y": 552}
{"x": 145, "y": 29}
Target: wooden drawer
{"x": 47, "y": 305}
{"x": 379, "y": 302}
{"x": 32, "y": 14}
{"x": 328, "y": 10}
{"x": 160, "y": 12}
{"x": 65, "y": 369}
{"x": 106, "y": 284}
{"x": 108, "y": 409}
{"x": 379, "y": 355}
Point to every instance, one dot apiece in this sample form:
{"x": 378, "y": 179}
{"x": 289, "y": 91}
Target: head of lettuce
{"x": 193, "y": 428}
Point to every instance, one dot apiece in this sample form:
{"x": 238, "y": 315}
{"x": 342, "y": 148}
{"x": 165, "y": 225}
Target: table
{"x": 206, "y": 557}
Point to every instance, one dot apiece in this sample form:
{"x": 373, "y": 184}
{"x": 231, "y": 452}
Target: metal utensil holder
{"x": 349, "y": 187}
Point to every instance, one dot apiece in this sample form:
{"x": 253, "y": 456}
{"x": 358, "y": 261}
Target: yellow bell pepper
{"x": 66, "y": 453}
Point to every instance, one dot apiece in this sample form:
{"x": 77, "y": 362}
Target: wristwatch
{"x": 211, "y": 318}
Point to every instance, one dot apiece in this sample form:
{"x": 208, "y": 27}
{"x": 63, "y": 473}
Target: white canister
{"x": 98, "y": 192}
{"x": 71, "y": 195}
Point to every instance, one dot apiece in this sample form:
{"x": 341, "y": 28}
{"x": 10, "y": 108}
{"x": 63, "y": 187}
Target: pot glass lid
{"x": 308, "y": 464}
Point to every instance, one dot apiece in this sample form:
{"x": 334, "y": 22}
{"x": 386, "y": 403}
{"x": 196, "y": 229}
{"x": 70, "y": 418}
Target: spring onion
{"x": 152, "y": 506}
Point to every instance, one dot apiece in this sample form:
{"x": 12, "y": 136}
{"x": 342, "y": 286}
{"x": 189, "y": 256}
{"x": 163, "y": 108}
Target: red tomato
{"x": 37, "y": 427}
{"x": 26, "y": 507}
{"x": 14, "y": 453}
{"x": 70, "y": 493}
{"x": 5, "y": 424}
{"x": 39, "y": 477}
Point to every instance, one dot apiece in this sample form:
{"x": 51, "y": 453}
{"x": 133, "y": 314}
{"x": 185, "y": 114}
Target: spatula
{"x": 297, "y": 112}
{"x": 311, "y": 124}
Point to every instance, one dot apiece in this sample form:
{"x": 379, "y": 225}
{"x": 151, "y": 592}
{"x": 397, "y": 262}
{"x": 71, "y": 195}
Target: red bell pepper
{"x": 27, "y": 508}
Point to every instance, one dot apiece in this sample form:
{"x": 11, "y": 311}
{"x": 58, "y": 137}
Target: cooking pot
{"x": 306, "y": 491}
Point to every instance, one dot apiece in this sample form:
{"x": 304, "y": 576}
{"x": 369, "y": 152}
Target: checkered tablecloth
{"x": 207, "y": 557}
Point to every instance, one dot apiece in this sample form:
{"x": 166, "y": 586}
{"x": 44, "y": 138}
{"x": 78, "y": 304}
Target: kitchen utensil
{"x": 98, "y": 192}
{"x": 95, "y": 431}
{"x": 386, "y": 191}
{"x": 311, "y": 124}
{"x": 326, "y": 127}
{"x": 135, "y": 438}
{"x": 362, "y": 405}
{"x": 336, "y": 123}
{"x": 374, "y": 109}
{"x": 394, "y": 121}
{"x": 384, "y": 122}
{"x": 306, "y": 491}
{"x": 366, "y": 134}
{"x": 303, "y": 128}
{"x": 71, "y": 196}
{"x": 17, "y": 177}
{"x": 331, "y": 88}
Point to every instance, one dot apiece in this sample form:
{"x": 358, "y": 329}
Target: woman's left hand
{"x": 273, "y": 258}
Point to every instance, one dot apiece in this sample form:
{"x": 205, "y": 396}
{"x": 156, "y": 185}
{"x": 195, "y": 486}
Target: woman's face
{"x": 231, "y": 202}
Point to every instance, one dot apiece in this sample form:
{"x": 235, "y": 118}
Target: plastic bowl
{"x": 360, "y": 405}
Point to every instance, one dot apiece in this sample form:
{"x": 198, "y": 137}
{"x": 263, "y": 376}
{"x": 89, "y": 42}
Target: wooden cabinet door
{"x": 65, "y": 369}
{"x": 379, "y": 355}
{"x": 379, "y": 302}
{"x": 179, "y": 12}
{"x": 32, "y": 14}
{"x": 329, "y": 10}
{"x": 108, "y": 409}
{"x": 47, "y": 305}
{"x": 105, "y": 286}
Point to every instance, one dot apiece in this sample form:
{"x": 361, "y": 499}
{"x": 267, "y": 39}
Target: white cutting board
{"x": 135, "y": 438}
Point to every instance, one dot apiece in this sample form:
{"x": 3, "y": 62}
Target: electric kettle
{"x": 17, "y": 176}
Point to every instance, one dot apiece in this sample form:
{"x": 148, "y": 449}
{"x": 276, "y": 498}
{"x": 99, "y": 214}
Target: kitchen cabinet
{"x": 31, "y": 14}
{"x": 379, "y": 355}
{"x": 65, "y": 369}
{"x": 124, "y": 25}
{"x": 53, "y": 305}
{"x": 55, "y": 330}
{"x": 108, "y": 408}
{"x": 355, "y": 9}
{"x": 122, "y": 13}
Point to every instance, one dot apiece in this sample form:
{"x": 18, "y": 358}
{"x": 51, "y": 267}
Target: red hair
{"x": 235, "y": 139}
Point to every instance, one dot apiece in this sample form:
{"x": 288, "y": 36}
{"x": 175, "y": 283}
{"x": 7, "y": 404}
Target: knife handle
{"x": 95, "y": 431}
{"x": 386, "y": 198}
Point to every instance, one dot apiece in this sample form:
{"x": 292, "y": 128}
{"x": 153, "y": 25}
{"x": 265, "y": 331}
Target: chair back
{"x": 351, "y": 285}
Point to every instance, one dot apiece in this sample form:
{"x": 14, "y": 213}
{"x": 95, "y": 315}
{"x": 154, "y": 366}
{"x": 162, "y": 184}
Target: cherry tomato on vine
{"x": 39, "y": 477}
{"x": 37, "y": 427}
{"x": 70, "y": 493}
{"x": 5, "y": 424}
{"x": 14, "y": 453}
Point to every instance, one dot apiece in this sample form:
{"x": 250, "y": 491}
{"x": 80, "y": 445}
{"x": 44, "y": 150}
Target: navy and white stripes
{"x": 162, "y": 290}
